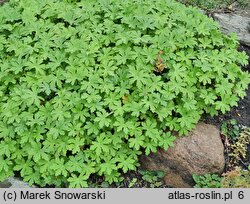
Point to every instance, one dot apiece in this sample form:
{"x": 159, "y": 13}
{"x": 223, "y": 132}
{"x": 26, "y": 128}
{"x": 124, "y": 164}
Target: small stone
{"x": 13, "y": 182}
{"x": 5, "y": 184}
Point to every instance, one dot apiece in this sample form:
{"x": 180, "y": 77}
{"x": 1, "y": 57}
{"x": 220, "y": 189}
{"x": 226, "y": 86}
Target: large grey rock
{"x": 231, "y": 22}
{"x": 199, "y": 153}
{"x": 13, "y": 182}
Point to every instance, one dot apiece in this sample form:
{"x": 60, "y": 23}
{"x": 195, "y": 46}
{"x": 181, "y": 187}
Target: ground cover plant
{"x": 236, "y": 178}
{"x": 88, "y": 86}
{"x": 236, "y": 149}
{"x": 207, "y": 181}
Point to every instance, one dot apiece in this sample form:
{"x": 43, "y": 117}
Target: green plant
{"x": 230, "y": 129}
{"x": 152, "y": 177}
{"x": 236, "y": 178}
{"x": 207, "y": 181}
{"x": 237, "y": 148}
{"x": 88, "y": 86}
{"x": 132, "y": 183}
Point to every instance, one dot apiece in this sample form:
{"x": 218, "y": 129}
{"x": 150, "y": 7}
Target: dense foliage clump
{"x": 236, "y": 178}
{"x": 88, "y": 86}
{"x": 207, "y": 181}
